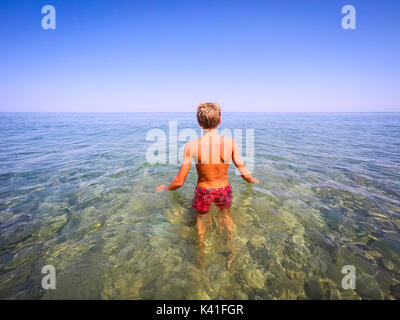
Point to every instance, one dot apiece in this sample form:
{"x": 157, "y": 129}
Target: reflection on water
{"x": 76, "y": 193}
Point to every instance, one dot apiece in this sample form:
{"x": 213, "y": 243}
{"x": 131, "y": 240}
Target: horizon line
{"x": 117, "y": 112}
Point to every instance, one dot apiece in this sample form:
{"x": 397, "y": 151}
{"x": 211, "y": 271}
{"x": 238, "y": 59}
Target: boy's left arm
{"x": 183, "y": 171}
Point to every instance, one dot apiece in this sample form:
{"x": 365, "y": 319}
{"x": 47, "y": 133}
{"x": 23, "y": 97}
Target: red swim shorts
{"x": 222, "y": 197}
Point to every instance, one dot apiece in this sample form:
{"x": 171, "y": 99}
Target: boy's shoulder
{"x": 228, "y": 142}
{"x": 192, "y": 142}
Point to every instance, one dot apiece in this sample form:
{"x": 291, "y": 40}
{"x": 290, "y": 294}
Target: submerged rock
{"x": 334, "y": 273}
{"x": 395, "y": 290}
{"x": 384, "y": 279}
{"x": 258, "y": 241}
{"x": 291, "y": 274}
{"x": 368, "y": 288}
{"x": 314, "y": 289}
{"x": 286, "y": 289}
{"x": 262, "y": 256}
{"x": 374, "y": 253}
{"x": 389, "y": 265}
{"x": 316, "y": 264}
{"x": 331, "y": 289}
{"x": 254, "y": 278}
{"x": 198, "y": 294}
{"x": 159, "y": 243}
{"x": 240, "y": 295}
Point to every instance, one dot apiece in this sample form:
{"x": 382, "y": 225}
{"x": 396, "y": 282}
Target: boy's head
{"x": 209, "y": 115}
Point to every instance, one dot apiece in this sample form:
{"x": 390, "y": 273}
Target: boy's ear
{"x": 219, "y": 122}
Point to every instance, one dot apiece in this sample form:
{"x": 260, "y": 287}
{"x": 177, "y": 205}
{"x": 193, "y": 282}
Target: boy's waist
{"x": 202, "y": 188}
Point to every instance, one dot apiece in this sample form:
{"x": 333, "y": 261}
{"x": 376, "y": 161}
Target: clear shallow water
{"x": 76, "y": 193}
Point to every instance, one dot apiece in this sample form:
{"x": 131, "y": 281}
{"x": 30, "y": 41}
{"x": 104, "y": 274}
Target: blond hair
{"x": 208, "y": 115}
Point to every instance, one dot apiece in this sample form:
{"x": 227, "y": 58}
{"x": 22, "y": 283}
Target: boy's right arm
{"x": 237, "y": 160}
{"x": 183, "y": 171}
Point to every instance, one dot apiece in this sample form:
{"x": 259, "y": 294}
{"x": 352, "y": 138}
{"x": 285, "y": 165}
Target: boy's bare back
{"x": 212, "y": 154}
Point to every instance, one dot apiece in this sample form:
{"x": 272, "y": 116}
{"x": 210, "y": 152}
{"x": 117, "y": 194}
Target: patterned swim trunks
{"x": 222, "y": 197}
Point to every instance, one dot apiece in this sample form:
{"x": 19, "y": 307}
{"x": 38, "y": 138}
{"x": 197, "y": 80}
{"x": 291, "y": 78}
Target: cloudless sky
{"x": 169, "y": 55}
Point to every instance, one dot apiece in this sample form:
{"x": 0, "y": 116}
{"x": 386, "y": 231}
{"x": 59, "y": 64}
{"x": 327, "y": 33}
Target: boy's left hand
{"x": 160, "y": 188}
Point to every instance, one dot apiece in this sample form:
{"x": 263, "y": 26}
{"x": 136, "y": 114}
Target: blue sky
{"x": 268, "y": 56}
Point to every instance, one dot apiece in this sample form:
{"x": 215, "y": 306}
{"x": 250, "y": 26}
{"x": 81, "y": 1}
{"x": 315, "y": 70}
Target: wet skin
{"x": 212, "y": 154}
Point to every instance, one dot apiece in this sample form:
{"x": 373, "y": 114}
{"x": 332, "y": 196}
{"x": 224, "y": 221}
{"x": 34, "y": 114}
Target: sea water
{"x": 76, "y": 193}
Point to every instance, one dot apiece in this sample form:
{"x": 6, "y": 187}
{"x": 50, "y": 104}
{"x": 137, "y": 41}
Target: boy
{"x": 212, "y": 154}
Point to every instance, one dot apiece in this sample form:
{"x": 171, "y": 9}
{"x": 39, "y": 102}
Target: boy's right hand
{"x": 161, "y": 188}
{"x": 250, "y": 179}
